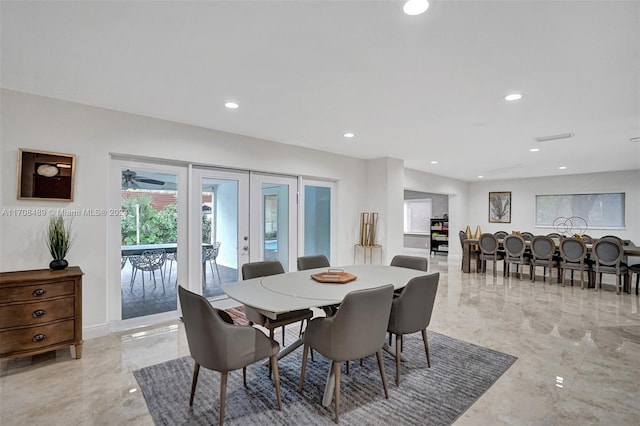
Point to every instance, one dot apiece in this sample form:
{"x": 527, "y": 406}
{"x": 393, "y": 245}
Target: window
{"x": 417, "y": 214}
{"x": 600, "y": 211}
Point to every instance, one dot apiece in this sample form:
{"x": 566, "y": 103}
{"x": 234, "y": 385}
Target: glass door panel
{"x": 220, "y": 210}
{"x": 274, "y": 228}
{"x": 317, "y": 220}
{"x": 149, "y": 241}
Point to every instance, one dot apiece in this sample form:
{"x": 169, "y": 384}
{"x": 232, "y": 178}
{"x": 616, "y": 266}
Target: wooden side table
{"x": 40, "y": 310}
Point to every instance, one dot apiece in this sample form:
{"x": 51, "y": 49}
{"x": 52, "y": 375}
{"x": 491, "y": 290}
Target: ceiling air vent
{"x": 555, "y": 137}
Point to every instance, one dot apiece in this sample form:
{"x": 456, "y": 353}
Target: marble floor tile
{"x": 578, "y": 358}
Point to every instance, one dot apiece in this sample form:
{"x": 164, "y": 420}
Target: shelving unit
{"x": 439, "y": 235}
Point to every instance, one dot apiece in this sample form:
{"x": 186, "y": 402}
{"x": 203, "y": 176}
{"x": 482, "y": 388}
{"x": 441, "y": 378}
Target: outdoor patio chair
{"x": 209, "y": 254}
{"x": 149, "y": 261}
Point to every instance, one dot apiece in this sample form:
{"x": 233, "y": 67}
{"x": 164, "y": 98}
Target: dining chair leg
{"x": 347, "y": 362}
{"x": 305, "y": 353}
{"x": 384, "y": 378}
{"x": 398, "y": 355}
{"x": 194, "y": 382}
{"x": 271, "y": 336}
{"x": 426, "y": 347}
{"x": 223, "y": 395}
{"x": 276, "y": 380}
{"x": 336, "y": 372}
{"x": 244, "y": 376}
{"x": 283, "y": 336}
{"x": 217, "y": 270}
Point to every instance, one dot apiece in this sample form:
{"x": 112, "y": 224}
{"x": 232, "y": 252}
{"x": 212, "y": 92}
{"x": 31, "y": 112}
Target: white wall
{"x": 523, "y": 192}
{"x": 91, "y": 134}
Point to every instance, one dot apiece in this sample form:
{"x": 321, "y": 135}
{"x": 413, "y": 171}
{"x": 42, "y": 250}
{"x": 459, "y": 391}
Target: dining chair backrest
{"x": 615, "y": 237}
{"x": 587, "y": 238}
{"x": 211, "y": 252}
{"x": 608, "y": 251}
{"x": 554, "y": 235}
{"x": 573, "y": 250}
{"x": 150, "y": 259}
{"x": 488, "y": 244}
{"x": 543, "y": 247}
{"x": 500, "y": 234}
{"x": 410, "y": 262}
{"x": 261, "y": 269}
{"x": 359, "y": 327}
{"x": 463, "y": 237}
{"x": 514, "y": 245}
{"x": 527, "y": 236}
{"x": 213, "y": 343}
{"x": 411, "y": 311}
{"x": 312, "y": 262}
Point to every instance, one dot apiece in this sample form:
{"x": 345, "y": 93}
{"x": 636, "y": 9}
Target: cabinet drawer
{"x": 28, "y": 314}
{"x": 35, "y": 292}
{"x": 34, "y": 338}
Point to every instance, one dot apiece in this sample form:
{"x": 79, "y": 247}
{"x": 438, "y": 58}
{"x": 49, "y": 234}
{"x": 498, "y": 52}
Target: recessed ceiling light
{"x": 231, "y": 105}
{"x": 349, "y": 135}
{"x": 480, "y": 176}
{"x": 415, "y": 7}
{"x": 434, "y": 162}
{"x": 562, "y": 167}
{"x": 513, "y": 97}
{"x": 534, "y": 149}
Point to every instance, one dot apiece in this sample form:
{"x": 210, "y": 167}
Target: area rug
{"x": 460, "y": 373}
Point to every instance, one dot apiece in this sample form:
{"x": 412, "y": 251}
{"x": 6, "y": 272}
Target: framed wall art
{"x": 500, "y": 207}
{"x": 44, "y": 175}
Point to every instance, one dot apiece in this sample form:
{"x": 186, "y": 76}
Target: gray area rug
{"x": 460, "y": 373}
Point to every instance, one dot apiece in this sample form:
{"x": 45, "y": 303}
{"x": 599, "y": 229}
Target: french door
{"x": 219, "y": 228}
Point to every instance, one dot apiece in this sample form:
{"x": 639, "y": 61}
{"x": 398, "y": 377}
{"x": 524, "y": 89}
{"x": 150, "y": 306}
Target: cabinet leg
{"x": 76, "y": 351}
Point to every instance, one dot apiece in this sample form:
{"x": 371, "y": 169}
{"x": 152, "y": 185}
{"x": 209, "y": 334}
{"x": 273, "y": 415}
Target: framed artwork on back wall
{"x": 500, "y": 207}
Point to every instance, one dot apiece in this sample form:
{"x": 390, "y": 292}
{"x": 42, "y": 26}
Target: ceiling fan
{"x": 130, "y": 179}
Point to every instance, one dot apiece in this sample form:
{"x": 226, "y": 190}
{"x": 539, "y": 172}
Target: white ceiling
{"x": 420, "y": 88}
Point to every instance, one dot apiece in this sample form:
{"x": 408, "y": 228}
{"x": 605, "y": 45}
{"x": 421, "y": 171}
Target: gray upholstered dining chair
{"x": 410, "y": 262}
{"x": 607, "y": 254}
{"x": 356, "y": 331}
{"x": 312, "y": 262}
{"x": 543, "y": 252}
{"x": 489, "y": 251}
{"x": 515, "y": 246}
{"x": 264, "y": 269}
{"x": 574, "y": 258}
{"x": 473, "y": 252}
{"x": 218, "y": 344}
{"x": 411, "y": 312}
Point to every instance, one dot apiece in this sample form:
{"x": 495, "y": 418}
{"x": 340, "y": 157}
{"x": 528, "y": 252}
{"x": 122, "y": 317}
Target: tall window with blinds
{"x": 600, "y": 211}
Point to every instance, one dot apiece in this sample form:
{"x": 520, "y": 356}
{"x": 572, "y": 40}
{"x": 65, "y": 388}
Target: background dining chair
{"x": 356, "y": 331}
{"x": 411, "y": 312}
{"x": 574, "y": 258}
{"x": 313, "y": 262}
{"x": 634, "y": 269}
{"x": 474, "y": 252}
{"x": 149, "y": 261}
{"x": 489, "y": 251}
{"x": 410, "y": 262}
{"x": 543, "y": 250}
{"x": 527, "y": 236}
{"x": 554, "y": 235}
{"x": 500, "y": 234}
{"x": 221, "y": 346}
{"x": 515, "y": 246}
{"x": 607, "y": 254}
{"x": 264, "y": 269}
{"x": 210, "y": 254}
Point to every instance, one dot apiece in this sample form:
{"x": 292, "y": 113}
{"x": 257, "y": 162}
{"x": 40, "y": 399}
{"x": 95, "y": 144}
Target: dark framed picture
{"x": 44, "y": 175}
{"x": 500, "y": 207}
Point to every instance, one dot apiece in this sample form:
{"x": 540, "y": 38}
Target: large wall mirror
{"x": 45, "y": 175}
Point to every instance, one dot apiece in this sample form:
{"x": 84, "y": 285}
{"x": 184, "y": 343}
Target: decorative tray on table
{"x": 334, "y": 276}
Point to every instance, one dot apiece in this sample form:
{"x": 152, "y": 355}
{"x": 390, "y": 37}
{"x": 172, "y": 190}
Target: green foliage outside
{"x": 156, "y": 227}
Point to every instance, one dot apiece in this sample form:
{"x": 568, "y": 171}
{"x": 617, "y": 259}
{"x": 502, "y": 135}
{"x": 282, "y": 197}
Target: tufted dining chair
{"x": 574, "y": 258}
{"x": 515, "y": 246}
{"x": 543, "y": 252}
{"x": 411, "y": 312}
{"x": 217, "y": 344}
{"x": 356, "y": 331}
{"x": 489, "y": 251}
{"x": 607, "y": 254}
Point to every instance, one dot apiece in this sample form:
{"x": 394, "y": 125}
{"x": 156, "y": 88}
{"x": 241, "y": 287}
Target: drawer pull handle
{"x": 38, "y": 313}
{"x": 39, "y": 292}
{"x": 39, "y": 337}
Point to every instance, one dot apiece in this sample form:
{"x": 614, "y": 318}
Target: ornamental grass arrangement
{"x": 59, "y": 241}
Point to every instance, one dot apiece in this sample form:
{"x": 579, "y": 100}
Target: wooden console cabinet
{"x": 40, "y": 310}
